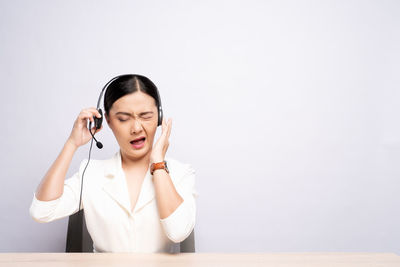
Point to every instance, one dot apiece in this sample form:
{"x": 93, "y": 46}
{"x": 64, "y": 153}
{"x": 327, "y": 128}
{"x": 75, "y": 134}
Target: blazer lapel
{"x": 147, "y": 192}
{"x": 117, "y": 187}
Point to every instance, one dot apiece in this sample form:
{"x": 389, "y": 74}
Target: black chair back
{"x": 79, "y": 240}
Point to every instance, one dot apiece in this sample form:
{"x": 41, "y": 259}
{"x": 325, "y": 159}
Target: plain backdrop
{"x": 287, "y": 110}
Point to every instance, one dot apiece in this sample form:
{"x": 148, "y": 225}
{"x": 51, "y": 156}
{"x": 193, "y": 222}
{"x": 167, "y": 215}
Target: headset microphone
{"x": 97, "y": 125}
{"x": 98, "y": 144}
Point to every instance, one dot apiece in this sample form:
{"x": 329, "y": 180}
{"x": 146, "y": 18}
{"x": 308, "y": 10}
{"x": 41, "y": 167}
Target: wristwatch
{"x": 159, "y": 165}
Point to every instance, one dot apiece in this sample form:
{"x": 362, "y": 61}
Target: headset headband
{"x": 105, "y": 87}
{"x": 159, "y": 106}
{"x": 117, "y": 77}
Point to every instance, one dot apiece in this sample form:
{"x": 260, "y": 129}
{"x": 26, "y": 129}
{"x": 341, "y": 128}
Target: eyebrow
{"x": 129, "y": 114}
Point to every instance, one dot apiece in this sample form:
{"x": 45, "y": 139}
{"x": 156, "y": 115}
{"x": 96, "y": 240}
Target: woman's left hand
{"x": 161, "y": 146}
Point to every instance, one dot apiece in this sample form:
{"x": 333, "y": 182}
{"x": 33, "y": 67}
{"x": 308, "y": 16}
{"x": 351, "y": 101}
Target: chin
{"x": 139, "y": 152}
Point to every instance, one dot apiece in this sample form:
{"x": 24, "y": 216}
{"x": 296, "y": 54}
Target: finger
{"x": 84, "y": 115}
{"x": 163, "y": 126}
{"x": 93, "y": 111}
{"x": 169, "y": 127}
{"x": 94, "y": 130}
{"x": 89, "y": 115}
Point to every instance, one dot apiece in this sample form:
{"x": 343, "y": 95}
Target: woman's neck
{"x": 135, "y": 163}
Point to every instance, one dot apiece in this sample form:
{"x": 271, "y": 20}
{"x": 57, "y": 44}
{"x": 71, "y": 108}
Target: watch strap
{"x": 158, "y": 166}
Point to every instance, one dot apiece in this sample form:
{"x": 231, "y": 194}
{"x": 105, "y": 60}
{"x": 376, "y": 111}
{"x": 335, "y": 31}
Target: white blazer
{"x": 106, "y": 203}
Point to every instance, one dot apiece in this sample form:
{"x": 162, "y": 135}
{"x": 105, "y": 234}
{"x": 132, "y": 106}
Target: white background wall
{"x": 288, "y": 111}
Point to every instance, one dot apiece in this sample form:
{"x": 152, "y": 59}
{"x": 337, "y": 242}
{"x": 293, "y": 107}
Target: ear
{"x": 107, "y": 118}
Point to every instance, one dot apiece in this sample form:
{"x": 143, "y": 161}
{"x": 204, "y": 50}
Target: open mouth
{"x": 138, "y": 141}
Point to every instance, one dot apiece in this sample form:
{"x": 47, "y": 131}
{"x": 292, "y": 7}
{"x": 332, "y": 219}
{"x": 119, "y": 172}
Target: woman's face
{"x": 130, "y": 117}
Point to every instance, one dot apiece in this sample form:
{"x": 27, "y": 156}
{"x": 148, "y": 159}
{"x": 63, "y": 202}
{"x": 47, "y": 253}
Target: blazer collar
{"x": 117, "y": 186}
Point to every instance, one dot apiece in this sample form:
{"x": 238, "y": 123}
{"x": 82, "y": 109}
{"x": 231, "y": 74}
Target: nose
{"x": 136, "y": 127}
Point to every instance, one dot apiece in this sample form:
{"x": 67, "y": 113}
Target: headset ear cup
{"x": 160, "y": 116}
{"x": 98, "y": 121}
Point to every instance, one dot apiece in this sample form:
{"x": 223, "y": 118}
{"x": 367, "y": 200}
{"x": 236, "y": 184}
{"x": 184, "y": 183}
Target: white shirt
{"x": 111, "y": 224}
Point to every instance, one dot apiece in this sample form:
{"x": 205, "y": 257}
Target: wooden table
{"x": 328, "y": 259}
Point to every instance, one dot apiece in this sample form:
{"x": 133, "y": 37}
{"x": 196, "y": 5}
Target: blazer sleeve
{"x": 65, "y": 205}
{"x": 180, "y": 223}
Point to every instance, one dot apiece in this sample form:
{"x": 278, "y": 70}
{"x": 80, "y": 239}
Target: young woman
{"x": 128, "y": 208}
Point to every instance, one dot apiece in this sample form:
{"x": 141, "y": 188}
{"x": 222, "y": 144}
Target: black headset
{"x": 99, "y": 121}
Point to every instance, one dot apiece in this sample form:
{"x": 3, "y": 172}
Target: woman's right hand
{"x": 80, "y": 134}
